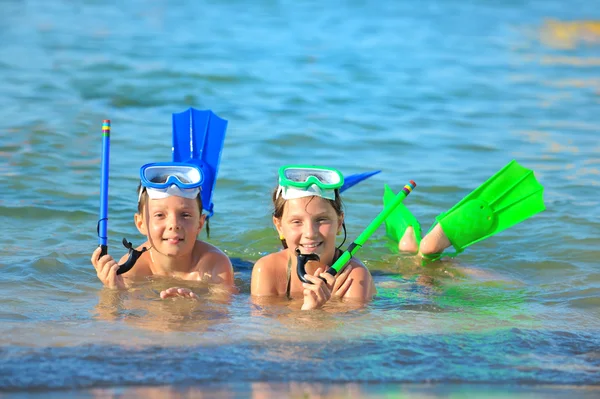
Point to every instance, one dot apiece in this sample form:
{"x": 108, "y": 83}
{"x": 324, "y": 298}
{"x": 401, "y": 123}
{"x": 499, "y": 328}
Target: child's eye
{"x": 186, "y": 215}
{"x": 158, "y": 215}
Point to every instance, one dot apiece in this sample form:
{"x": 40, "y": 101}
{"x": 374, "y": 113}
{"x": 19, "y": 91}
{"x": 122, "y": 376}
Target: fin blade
{"x": 353, "y": 180}
{"x": 522, "y": 207}
{"x": 399, "y": 219}
{"x": 198, "y": 137}
{"x": 502, "y": 183}
{"x": 388, "y": 196}
{"x": 509, "y": 197}
{"x": 182, "y": 136}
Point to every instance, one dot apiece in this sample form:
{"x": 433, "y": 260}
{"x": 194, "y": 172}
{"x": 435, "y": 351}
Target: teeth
{"x": 310, "y": 245}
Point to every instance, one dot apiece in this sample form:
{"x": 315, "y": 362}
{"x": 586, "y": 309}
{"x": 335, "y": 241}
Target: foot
{"x": 434, "y": 242}
{"x": 408, "y": 242}
{"x": 402, "y": 225}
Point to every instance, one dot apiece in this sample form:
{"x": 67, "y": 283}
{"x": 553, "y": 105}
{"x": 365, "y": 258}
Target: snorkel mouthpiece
{"x": 134, "y": 255}
{"x": 302, "y": 260}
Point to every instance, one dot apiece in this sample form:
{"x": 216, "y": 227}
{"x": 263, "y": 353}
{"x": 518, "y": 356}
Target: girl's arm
{"x": 361, "y": 286}
{"x": 264, "y": 280}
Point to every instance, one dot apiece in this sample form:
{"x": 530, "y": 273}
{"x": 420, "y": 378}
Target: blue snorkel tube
{"x": 103, "y": 221}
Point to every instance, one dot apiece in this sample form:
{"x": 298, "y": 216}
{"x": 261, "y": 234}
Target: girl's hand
{"x": 316, "y": 294}
{"x": 342, "y": 282}
{"x": 176, "y": 292}
{"x": 106, "y": 270}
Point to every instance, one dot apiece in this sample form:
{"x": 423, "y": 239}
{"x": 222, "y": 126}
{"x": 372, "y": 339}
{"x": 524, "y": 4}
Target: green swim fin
{"x": 509, "y": 197}
{"x": 401, "y": 218}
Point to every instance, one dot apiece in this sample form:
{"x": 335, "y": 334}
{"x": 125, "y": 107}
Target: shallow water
{"x": 445, "y": 93}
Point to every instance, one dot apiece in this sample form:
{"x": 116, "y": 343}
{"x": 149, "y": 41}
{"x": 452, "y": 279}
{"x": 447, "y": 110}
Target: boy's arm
{"x": 222, "y": 269}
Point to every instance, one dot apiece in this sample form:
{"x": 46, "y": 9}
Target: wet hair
{"x": 279, "y": 204}
{"x": 144, "y": 201}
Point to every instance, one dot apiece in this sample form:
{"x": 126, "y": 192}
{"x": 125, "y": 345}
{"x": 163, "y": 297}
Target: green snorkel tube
{"x": 103, "y": 221}
{"x": 360, "y": 240}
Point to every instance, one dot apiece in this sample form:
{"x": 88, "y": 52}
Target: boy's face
{"x": 310, "y": 224}
{"x": 171, "y": 224}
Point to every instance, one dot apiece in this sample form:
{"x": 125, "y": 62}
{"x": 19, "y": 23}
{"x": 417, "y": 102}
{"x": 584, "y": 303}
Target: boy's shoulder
{"x": 202, "y": 247}
{"x": 207, "y": 252}
{"x": 211, "y": 260}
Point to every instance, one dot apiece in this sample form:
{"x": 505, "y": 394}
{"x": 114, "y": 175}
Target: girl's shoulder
{"x": 355, "y": 262}
{"x": 359, "y": 270}
{"x": 269, "y": 274}
{"x": 273, "y": 259}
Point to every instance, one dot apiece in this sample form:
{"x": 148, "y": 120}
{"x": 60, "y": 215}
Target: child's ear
{"x": 202, "y": 221}
{"x": 340, "y": 223}
{"x": 139, "y": 223}
{"x": 277, "y": 223}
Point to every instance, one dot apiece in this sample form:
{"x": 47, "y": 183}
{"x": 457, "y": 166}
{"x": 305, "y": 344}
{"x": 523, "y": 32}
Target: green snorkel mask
{"x": 297, "y": 181}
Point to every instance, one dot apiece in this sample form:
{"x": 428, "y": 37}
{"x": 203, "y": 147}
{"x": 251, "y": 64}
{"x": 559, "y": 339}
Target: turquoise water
{"x": 445, "y": 93}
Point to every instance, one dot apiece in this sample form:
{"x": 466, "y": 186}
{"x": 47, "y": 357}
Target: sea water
{"x": 441, "y": 92}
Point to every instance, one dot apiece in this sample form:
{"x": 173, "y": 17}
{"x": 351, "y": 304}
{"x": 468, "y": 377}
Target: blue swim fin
{"x": 352, "y": 180}
{"x": 198, "y": 137}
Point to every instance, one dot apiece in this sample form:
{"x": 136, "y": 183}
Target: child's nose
{"x": 310, "y": 229}
{"x": 173, "y": 222}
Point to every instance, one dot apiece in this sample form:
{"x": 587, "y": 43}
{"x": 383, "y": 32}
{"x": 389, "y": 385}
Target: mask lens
{"x": 165, "y": 175}
{"x": 304, "y": 177}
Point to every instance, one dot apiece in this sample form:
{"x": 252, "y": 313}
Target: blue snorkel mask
{"x": 164, "y": 179}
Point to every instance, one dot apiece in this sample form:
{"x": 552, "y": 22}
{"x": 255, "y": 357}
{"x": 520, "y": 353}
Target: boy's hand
{"x": 316, "y": 294}
{"x": 106, "y": 270}
{"x": 176, "y": 292}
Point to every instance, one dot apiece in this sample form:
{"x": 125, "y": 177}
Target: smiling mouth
{"x": 175, "y": 240}
{"x": 310, "y": 247}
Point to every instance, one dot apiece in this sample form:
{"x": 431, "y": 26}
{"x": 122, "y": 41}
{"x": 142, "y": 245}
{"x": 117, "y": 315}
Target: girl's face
{"x": 310, "y": 224}
{"x": 171, "y": 224}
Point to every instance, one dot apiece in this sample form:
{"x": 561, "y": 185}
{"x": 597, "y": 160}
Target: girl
{"x": 308, "y": 216}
